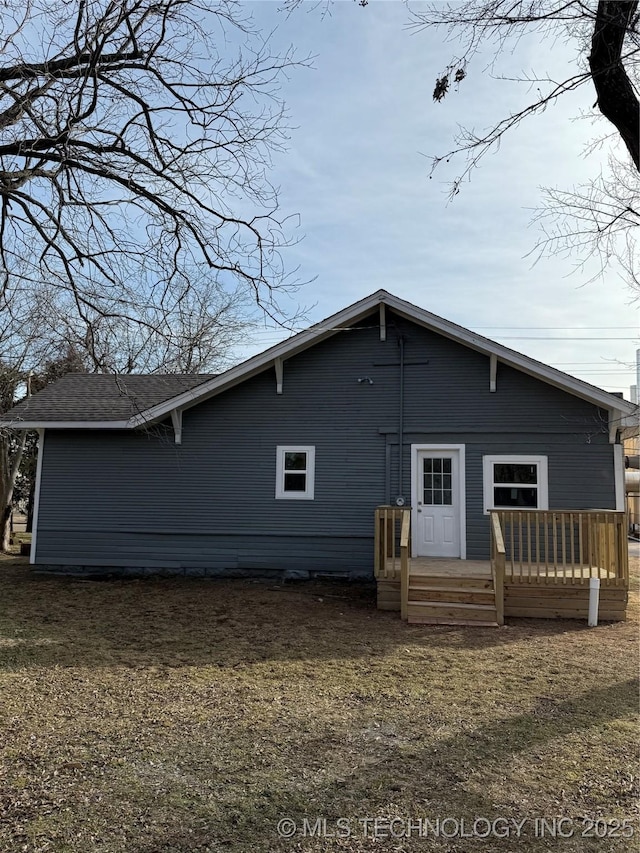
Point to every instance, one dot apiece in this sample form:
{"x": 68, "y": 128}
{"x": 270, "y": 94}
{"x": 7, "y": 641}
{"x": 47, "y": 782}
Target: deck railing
{"x": 392, "y": 523}
{"x": 562, "y": 546}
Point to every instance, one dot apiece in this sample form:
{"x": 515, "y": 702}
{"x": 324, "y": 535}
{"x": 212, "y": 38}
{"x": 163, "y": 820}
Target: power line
{"x": 568, "y": 340}
{"x": 556, "y": 328}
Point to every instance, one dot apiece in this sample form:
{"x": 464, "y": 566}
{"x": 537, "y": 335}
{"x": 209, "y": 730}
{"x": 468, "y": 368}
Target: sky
{"x": 356, "y": 175}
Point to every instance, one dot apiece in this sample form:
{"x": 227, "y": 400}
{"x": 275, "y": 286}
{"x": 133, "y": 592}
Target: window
{"x": 515, "y": 482}
{"x": 295, "y": 472}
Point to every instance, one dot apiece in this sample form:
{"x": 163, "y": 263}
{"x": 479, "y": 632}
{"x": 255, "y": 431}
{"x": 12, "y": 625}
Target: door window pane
{"x": 437, "y": 482}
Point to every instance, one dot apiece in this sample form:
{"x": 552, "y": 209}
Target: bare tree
{"x": 11, "y": 449}
{"x": 596, "y": 220}
{"x": 607, "y": 42}
{"x": 198, "y": 331}
{"x": 19, "y": 341}
{"x": 41, "y": 339}
{"x": 135, "y": 136}
{"x": 137, "y": 222}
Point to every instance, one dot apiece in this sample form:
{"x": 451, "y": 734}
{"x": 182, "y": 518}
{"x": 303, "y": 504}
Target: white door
{"x": 437, "y": 504}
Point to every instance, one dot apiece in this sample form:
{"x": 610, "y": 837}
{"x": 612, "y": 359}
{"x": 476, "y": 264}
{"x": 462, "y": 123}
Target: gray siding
{"x": 137, "y": 500}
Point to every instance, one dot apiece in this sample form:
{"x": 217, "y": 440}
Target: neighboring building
{"x": 276, "y": 466}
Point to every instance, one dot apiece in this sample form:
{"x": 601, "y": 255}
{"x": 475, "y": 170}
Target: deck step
{"x": 450, "y": 612}
{"x": 420, "y": 580}
{"x": 467, "y": 595}
{"x": 444, "y": 620}
{"x": 460, "y": 605}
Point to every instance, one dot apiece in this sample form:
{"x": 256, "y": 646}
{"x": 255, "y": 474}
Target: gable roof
{"x": 93, "y": 398}
{"x": 190, "y": 390}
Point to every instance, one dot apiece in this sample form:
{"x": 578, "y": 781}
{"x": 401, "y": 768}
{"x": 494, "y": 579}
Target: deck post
{"x": 622, "y": 550}
{"x": 405, "y": 535}
{"x": 498, "y": 565}
{"x": 404, "y": 588}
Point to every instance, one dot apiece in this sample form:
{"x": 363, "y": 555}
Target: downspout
{"x": 387, "y": 473}
{"x": 400, "y": 500}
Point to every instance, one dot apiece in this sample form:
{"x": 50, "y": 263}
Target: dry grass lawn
{"x": 173, "y": 716}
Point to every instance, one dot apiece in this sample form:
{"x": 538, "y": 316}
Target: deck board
{"x": 448, "y": 568}
{"x": 441, "y": 567}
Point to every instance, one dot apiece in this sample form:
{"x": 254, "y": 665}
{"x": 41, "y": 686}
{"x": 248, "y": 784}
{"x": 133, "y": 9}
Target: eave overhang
{"x": 274, "y": 357}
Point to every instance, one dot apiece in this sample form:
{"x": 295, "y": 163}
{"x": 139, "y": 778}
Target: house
{"x": 277, "y": 465}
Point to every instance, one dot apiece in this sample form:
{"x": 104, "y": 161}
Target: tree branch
{"x": 616, "y": 97}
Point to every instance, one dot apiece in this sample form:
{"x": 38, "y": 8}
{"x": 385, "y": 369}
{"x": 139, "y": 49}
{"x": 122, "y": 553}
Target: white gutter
{"x": 65, "y": 424}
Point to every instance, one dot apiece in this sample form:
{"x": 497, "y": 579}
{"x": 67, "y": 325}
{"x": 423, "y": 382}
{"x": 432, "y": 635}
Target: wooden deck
{"x": 541, "y": 567}
{"x": 445, "y": 568}
{"x": 442, "y": 591}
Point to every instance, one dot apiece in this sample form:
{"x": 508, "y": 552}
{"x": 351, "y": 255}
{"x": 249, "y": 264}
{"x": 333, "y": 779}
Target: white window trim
{"x": 308, "y": 494}
{"x": 508, "y": 459}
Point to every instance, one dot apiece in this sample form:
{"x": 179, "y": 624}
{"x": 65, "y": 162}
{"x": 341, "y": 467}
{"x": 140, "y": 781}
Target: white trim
{"x": 36, "y": 497}
{"x": 462, "y": 490}
{"x": 279, "y": 374}
{"x": 67, "y": 424}
{"x": 331, "y": 326}
{"x": 310, "y": 472}
{"x": 542, "y": 485}
{"x": 618, "y": 470}
{"x": 346, "y": 317}
{"x": 252, "y": 366}
{"x": 493, "y": 371}
{"x": 555, "y": 377}
{"x": 615, "y": 419}
{"x": 176, "y": 420}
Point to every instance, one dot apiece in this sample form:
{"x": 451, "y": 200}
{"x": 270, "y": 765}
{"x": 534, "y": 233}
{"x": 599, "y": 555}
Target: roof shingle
{"x": 93, "y": 397}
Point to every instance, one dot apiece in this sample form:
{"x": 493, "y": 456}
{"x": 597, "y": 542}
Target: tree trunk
{"x": 9, "y": 467}
{"x": 617, "y": 100}
{"x": 30, "y": 504}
